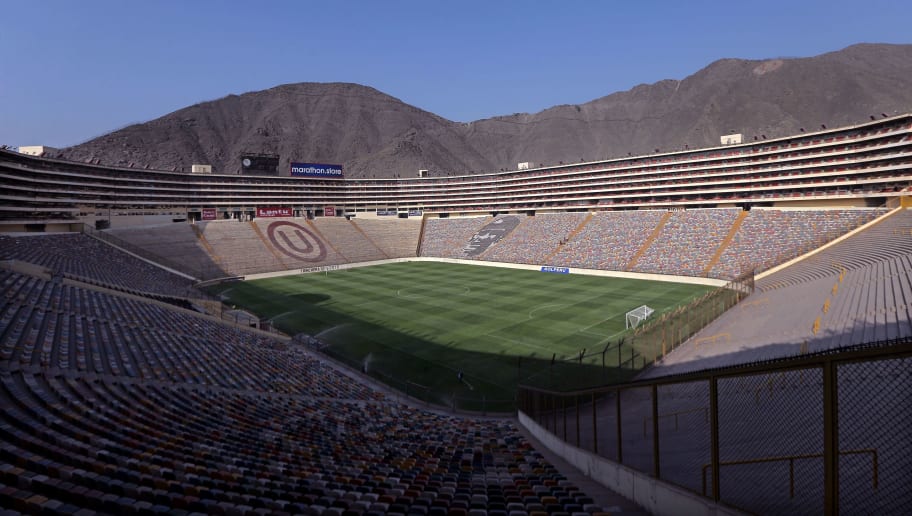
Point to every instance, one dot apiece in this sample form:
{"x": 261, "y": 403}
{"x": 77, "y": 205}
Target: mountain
{"x": 375, "y": 135}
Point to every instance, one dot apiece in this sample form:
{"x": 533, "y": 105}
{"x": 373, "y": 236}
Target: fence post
{"x": 617, "y": 408}
{"x": 830, "y": 440}
{"x": 576, "y": 397}
{"x": 594, "y": 426}
{"x": 655, "y": 430}
{"x": 564, "y": 414}
{"x": 714, "y": 434}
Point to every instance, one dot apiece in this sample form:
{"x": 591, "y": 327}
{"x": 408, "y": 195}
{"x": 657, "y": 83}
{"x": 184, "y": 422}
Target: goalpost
{"x": 637, "y": 315}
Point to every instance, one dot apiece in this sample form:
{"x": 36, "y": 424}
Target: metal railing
{"x": 791, "y": 465}
{"x": 829, "y": 433}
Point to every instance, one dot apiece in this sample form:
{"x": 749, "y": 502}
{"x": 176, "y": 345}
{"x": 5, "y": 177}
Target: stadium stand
{"x": 770, "y": 237}
{"x": 181, "y": 245}
{"x": 352, "y": 243}
{"x": 446, "y": 238}
{"x": 855, "y": 290}
{"x": 686, "y": 242}
{"x": 609, "y": 240}
{"x": 395, "y": 238}
{"x": 115, "y": 403}
{"x": 119, "y": 405}
{"x": 83, "y": 257}
{"x": 535, "y": 239}
{"x": 239, "y": 247}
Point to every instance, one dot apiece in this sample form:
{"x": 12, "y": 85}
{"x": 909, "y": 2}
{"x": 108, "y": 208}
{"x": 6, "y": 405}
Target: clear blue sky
{"x": 73, "y": 70}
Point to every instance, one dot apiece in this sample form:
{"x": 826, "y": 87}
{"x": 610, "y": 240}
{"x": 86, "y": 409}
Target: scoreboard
{"x": 260, "y": 164}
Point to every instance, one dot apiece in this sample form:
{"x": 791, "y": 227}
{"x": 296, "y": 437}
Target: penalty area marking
{"x": 543, "y": 307}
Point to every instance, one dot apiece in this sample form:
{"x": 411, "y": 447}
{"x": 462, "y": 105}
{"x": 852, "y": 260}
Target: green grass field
{"x": 423, "y": 322}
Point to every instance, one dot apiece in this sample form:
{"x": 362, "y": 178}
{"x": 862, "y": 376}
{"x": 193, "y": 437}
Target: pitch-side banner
{"x": 273, "y": 212}
{"x": 316, "y": 170}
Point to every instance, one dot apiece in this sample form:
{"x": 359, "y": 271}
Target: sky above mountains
{"x": 76, "y": 70}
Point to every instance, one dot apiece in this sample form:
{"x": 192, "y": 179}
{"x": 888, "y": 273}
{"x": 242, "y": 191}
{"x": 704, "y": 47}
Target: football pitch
{"x": 417, "y": 325}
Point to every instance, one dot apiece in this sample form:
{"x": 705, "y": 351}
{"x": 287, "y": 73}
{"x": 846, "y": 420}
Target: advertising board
{"x": 273, "y": 211}
{"x": 316, "y": 170}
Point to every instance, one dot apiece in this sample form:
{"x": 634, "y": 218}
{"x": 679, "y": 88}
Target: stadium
{"x": 712, "y": 331}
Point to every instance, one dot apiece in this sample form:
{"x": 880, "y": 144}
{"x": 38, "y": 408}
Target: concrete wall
{"x": 653, "y": 495}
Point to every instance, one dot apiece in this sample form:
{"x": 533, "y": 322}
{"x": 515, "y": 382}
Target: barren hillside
{"x": 375, "y": 135}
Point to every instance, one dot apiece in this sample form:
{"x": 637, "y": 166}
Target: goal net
{"x": 638, "y": 315}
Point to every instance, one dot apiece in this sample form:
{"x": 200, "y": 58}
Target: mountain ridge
{"x": 374, "y": 134}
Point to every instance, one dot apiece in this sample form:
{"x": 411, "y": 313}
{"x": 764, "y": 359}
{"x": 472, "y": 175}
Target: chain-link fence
{"x": 657, "y": 338}
{"x": 619, "y": 361}
{"x": 824, "y": 433}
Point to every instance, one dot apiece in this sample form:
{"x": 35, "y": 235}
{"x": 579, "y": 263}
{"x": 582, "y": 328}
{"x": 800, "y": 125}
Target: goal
{"x": 637, "y": 315}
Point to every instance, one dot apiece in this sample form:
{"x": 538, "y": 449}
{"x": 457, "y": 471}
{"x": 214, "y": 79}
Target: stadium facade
{"x": 855, "y": 166}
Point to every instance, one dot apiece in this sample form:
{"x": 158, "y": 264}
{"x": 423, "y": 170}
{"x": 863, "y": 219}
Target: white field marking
{"x": 224, "y": 295}
{"x": 283, "y": 314}
{"x": 594, "y": 334}
{"x": 519, "y": 343}
{"x": 399, "y": 293}
{"x": 584, "y": 330}
{"x": 596, "y": 323}
{"x": 332, "y": 329}
{"x": 365, "y": 303}
{"x": 604, "y": 337}
{"x": 615, "y": 334}
{"x": 542, "y": 307}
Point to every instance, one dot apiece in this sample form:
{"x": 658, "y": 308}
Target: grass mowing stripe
{"x": 421, "y": 321}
